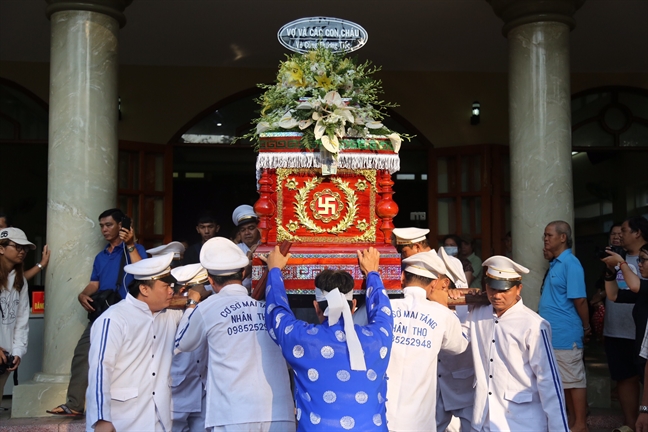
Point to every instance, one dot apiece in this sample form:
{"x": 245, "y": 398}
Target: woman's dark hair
{"x": 454, "y": 238}
{"x": 19, "y": 280}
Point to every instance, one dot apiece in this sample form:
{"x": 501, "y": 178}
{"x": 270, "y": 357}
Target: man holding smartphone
{"x": 107, "y": 274}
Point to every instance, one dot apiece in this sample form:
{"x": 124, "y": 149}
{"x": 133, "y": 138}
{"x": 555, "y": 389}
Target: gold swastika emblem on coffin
{"x": 313, "y": 208}
{"x": 326, "y": 205}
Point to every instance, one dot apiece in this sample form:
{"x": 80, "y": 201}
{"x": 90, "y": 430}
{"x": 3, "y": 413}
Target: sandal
{"x": 64, "y": 410}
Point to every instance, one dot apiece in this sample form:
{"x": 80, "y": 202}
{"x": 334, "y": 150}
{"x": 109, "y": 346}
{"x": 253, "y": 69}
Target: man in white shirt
{"x": 131, "y": 347}
{"x": 456, "y": 372}
{"x": 421, "y": 329}
{"x": 189, "y": 369}
{"x": 247, "y": 380}
{"x": 518, "y": 386}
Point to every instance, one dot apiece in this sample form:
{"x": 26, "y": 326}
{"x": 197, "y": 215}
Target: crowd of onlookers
{"x": 618, "y": 313}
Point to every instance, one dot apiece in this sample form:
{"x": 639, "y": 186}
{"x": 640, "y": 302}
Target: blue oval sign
{"x": 335, "y": 34}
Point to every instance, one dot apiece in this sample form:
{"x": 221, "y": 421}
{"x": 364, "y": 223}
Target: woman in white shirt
{"x": 14, "y": 300}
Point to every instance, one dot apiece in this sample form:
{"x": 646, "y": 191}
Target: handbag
{"x": 103, "y": 299}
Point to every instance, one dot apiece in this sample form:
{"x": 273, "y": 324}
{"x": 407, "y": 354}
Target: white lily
{"x": 287, "y": 121}
{"x": 303, "y": 124}
{"x": 305, "y": 105}
{"x": 262, "y": 127}
{"x": 396, "y": 141}
{"x": 333, "y": 98}
{"x": 372, "y": 124}
{"x": 344, "y": 113}
{"x": 331, "y": 144}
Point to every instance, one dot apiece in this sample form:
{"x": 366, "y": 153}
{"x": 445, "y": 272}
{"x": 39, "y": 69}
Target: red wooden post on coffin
{"x": 264, "y": 207}
{"x": 326, "y": 218}
{"x": 387, "y": 208}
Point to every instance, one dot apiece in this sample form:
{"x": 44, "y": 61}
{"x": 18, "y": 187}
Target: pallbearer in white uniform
{"x": 421, "y": 329}
{"x": 189, "y": 369}
{"x": 131, "y": 348}
{"x": 518, "y": 387}
{"x": 246, "y": 222}
{"x": 456, "y": 372}
{"x": 247, "y": 380}
{"x": 174, "y": 247}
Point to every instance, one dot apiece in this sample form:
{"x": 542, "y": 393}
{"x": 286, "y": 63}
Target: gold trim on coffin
{"x": 302, "y": 195}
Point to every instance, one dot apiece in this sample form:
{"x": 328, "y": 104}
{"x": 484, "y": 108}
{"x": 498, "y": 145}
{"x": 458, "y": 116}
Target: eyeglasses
{"x": 641, "y": 260}
{"x": 19, "y": 248}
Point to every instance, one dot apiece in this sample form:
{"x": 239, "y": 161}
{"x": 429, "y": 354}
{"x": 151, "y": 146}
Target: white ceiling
{"x": 434, "y": 35}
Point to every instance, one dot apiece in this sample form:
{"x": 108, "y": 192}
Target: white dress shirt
{"x": 14, "y": 324}
{"x": 247, "y": 378}
{"x": 421, "y": 329}
{"x": 131, "y": 350}
{"x": 518, "y": 386}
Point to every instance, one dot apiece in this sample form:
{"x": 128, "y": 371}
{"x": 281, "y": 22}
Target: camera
{"x": 9, "y": 363}
{"x": 601, "y": 253}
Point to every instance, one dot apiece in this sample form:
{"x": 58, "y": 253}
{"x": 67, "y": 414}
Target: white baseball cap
{"x": 151, "y": 268}
{"x": 221, "y": 257}
{"x": 455, "y": 269}
{"x": 405, "y": 236}
{"x": 190, "y": 274}
{"x": 175, "y": 247}
{"x": 426, "y": 264}
{"x": 17, "y": 236}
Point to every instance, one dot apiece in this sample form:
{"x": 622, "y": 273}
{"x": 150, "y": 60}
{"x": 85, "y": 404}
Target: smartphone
{"x": 126, "y": 223}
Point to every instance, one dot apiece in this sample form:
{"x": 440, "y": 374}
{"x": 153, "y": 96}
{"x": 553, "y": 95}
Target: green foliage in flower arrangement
{"x": 325, "y": 96}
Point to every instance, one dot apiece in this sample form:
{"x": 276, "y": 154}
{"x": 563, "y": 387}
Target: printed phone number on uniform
{"x": 242, "y": 328}
{"x": 410, "y": 341}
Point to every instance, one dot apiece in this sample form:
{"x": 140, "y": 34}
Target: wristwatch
{"x": 643, "y": 409}
{"x": 191, "y": 302}
{"x": 130, "y": 248}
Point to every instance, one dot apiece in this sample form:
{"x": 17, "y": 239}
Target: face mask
{"x": 451, "y": 250}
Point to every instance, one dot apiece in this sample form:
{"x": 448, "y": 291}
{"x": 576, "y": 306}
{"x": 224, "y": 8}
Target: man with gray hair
{"x": 563, "y": 302}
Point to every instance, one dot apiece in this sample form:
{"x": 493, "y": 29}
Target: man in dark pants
{"x": 107, "y": 274}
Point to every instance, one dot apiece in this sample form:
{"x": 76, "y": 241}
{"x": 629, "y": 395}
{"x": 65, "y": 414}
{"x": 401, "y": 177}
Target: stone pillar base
{"x": 33, "y": 398}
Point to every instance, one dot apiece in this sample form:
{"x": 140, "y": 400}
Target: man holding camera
{"x": 107, "y": 274}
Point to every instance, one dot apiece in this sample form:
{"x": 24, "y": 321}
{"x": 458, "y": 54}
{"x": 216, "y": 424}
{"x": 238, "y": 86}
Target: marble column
{"x": 539, "y": 126}
{"x": 82, "y": 180}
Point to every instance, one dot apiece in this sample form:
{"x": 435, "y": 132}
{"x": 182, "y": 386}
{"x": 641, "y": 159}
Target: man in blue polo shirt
{"x": 107, "y": 274}
{"x": 563, "y": 303}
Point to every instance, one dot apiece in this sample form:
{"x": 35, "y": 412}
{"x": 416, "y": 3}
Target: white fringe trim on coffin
{"x": 390, "y": 162}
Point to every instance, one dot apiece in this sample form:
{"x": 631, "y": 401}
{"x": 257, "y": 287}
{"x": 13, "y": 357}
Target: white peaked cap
{"x": 455, "y": 269}
{"x": 243, "y": 213}
{"x": 151, "y": 268}
{"x": 17, "y": 236}
{"x": 189, "y": 274}
{"x": 176, "y": 247}
{"x": 406, "y": 236}
{"x": 426, "y": 264}
{"x": 221, "y": 257}
{"x": 504, "y": 268}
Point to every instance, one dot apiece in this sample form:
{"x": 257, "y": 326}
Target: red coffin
{"x": 327, "y": 218}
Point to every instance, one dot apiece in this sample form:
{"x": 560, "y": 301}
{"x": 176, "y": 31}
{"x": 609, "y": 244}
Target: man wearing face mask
{"x": 451, "y": 245}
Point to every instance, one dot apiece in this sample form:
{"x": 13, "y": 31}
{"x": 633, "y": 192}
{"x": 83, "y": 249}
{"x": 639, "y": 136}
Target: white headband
{"x": 338, "y": 306}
